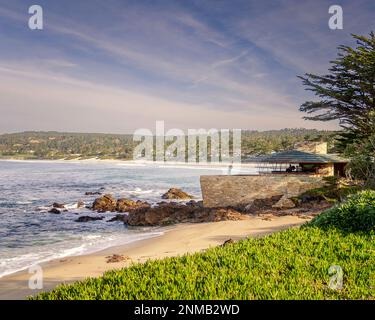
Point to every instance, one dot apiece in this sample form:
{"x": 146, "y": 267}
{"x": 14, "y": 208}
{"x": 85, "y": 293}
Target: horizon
{"x": 120, "y": 66}
{"x": 112, "y": 133}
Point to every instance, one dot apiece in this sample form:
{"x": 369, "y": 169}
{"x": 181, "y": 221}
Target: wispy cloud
{"x": 191, "y": 63}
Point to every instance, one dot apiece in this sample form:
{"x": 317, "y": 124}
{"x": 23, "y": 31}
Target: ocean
{"x": 30, "y": 235}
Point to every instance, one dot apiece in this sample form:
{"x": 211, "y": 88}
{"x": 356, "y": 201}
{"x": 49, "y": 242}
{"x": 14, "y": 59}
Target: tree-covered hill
{"x": 63, "y": 145}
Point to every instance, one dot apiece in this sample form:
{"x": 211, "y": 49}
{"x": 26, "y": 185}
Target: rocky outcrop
{"x": 261, "y": 204}
{"x": 126, "y": 205}
{"x": 54, "y": 211}
{"x": 105, "y": 203}
{"x": 175, "y": 193}
{"x": 109, "y": 203}
{"x": 88, "y": 218}
{"x": 171, "y": 213}
{"x": 284, "y": 203}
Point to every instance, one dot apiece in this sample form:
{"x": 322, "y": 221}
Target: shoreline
{"x": 135, "y": 162}
{"x": 154, "y": 233}
{"x": 176, "y": 240}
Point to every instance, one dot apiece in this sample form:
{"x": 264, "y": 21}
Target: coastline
{"x": 177, "y": 240}
{"x": 135, "y": 162}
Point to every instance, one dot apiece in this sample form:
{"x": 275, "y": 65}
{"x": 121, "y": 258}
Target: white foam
{"x": 97, "y": 243}
{"x": 23, "y": 202}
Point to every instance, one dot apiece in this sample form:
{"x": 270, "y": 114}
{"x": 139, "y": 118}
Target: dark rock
{"x": 105, "y": 203}
{"x": 119, "y": 217}
{"x": 226, "y": 242}
{"x": 117, "y": 258}
{"x": 92, "y": 193}
{"x": 55, "y": 211}
{"x": 260, "y": 204}
{"x": 58, "y": 205}
{"x": 305, "y": 198}
{"x": 170, "y": 213}
{"x": 284, "y": 203}
{"x": 194, "y": 203}
{"x": 175, "y": 193}
{"x": 88, "y": 218}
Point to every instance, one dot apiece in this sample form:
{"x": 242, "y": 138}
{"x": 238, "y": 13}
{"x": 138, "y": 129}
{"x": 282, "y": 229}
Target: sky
{"x": 116, "y": 66}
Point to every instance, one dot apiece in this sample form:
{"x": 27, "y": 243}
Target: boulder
{"x": 284, "y": 203}
{"x": 224, "y": 214}
{"x": 175, "y": 193}
{"x": 88, "y": 218}
{"x": 54, "y": 211}
{"x": 261, "y": 204}
{"x": 105, "y": 203}
{"x": 125, "y": 205}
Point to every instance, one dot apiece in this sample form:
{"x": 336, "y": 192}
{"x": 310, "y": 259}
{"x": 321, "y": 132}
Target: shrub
{"x": 334, "y": 190}
{"x": 357, "y": 213}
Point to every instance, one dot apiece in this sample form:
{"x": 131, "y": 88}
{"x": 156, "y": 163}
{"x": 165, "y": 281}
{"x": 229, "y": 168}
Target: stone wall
{"x": 222, "y": 191}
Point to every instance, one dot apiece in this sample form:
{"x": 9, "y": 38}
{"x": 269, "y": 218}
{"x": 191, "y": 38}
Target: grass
{"x": 292, "y": 264}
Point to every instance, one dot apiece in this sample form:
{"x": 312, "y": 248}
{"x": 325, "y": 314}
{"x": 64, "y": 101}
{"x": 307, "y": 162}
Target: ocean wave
{"x": 24, "y": 202}
{"x": 85, "y": 246}
{"x": 140, "y": 191}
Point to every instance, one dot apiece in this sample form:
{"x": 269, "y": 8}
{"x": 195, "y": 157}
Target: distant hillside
{"x": 58, "y": 145}
{"x": 63, "y": 145}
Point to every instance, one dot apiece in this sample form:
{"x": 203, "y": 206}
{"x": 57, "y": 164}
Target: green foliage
{"x": 354, "y": 215}
{"x": 55, "y": 145}
{"x": 362, "y": 164}
{"x": 347, "y": 92}
{"x": 257, "y": 143}
{"x": 292, "y": 264}
{"x": 335, "y": 189}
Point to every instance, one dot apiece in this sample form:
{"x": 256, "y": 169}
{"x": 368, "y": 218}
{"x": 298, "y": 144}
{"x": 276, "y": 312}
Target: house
{"x": 282, "y": 174}
{"x": 311, "y": 159}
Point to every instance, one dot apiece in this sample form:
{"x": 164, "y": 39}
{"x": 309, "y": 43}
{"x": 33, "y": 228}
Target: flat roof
{"x": 296, "y": 156}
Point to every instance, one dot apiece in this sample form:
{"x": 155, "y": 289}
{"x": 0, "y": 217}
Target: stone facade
{"x": 223, "y": 191}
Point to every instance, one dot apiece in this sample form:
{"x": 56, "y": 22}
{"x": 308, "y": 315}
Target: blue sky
{"x": 118, "y": 65}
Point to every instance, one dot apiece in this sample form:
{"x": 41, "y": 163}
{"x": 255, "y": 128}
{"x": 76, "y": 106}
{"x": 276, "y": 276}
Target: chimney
{"x": 312, "y": 147}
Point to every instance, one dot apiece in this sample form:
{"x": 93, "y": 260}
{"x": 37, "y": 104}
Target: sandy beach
{"x": 178, "y": 240}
